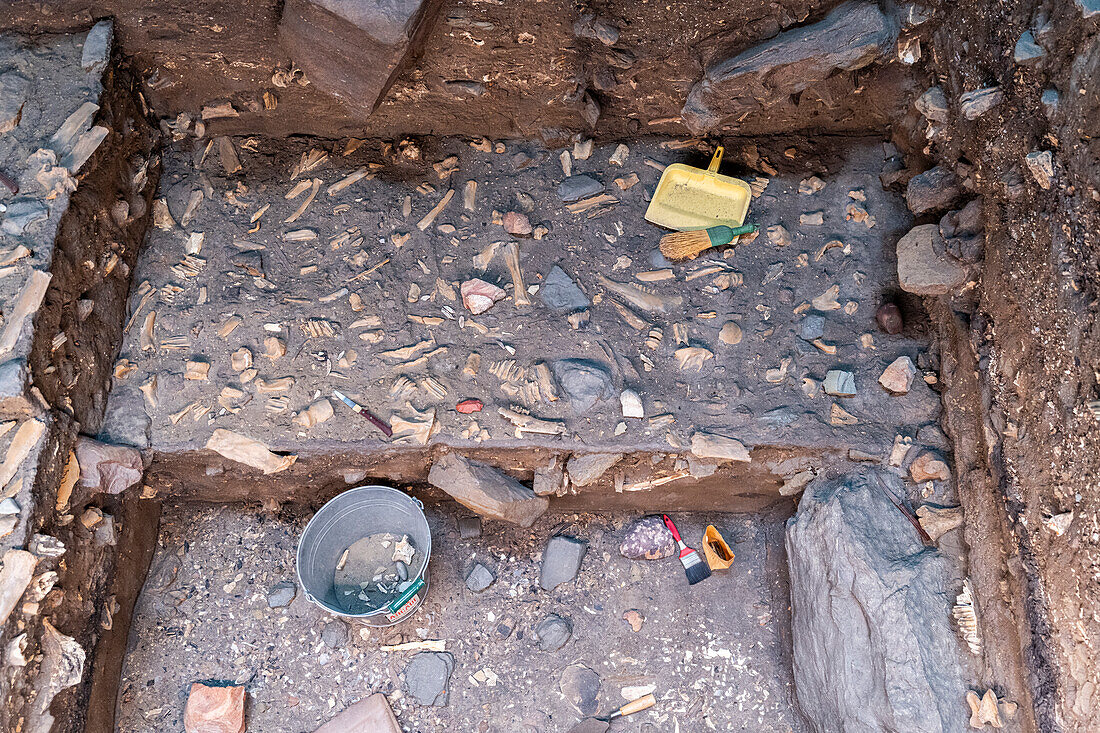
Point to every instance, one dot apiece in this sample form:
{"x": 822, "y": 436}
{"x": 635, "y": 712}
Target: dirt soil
{"x": 715, "y": 654}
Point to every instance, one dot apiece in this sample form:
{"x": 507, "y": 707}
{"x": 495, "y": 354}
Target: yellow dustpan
{"x": 689, "y": 198}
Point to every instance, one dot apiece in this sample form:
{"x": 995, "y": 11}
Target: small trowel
{"x": 600, "y": 725}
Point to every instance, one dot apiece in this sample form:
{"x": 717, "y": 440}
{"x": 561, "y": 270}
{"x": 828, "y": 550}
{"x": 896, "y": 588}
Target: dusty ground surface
{"x": 528, "y": 74}
{"x": 365, "y": 254}
{"x": 716, "y": 653}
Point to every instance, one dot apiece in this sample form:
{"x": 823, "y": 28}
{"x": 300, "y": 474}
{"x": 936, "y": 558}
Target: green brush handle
{"x": 720, "y": 235}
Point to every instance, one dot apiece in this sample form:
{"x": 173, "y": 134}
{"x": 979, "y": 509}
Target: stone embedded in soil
{"x": 889, "y": 319}
{"x": 635, "y": 618}
{"x": 924, "y": 267}
{"x": 561, "y": 561}
{"x": 479, "y": 296}
{"x": 631, "y": 404}
{"x": 469, "y": 527}
{"x": 929, "y": 467}
{"x": 22, "y": 214}
{"x": 812, "y": 327}
{"x": 585, "y": 382}
{"x": 1050, "y": 97}
{"x": 1027, "y": 52}
{"x": 587, "y": 468}
{"x": 282, "y": 594}
{"x": 1041, "y": 165}
{"x": 372, "y": 715}
{"x": 97, "y": 47}
{"x": 976, "y": 103}
{"x": 427, "y": 676}
{"x": 126, "y": 421}
{"x": 579, "y": 187}
{"x": 212, "y": 709}
{"x": 517, "y": 223}
{"x": 730, "y": 333}
{"x": 553, "y": 632}
{"x": 559, "y": 292}
{"x": 486, "y": 491}
{"x": 581, "y": 687}
{"x": 839, "y": 383}
{"x": 938, "y": 521}
{"x": 647, "y": 539}
{"x": 933, "y": 105}
{"x": 13, "y": 95}
{"x": 898, "y": 377}
{"x": 936, "y": 188}
{"x": 479, "y": 578}
{"x": 712, "y": 445}
{"x": 335, "y": 634}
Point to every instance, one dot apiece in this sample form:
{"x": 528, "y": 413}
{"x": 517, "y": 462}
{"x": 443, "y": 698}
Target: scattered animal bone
{"x": 691, "y": 358}
{"x": 435, "y": 211}
{"x": 237, "y": 447}
{"x": 966, "y": 618}
{"x": 827, "y": 301}
{"x": 639, "y": 297}
{"x": 309, "y": 160}
{"x": 147, "y": 338}
{"x": 196, "y": 371}
{"x": 527, "y": 424}
{"x": 149, "y": 389}
{"x": 631, "y": 318}
{"x": 407, "y": 352}
{"x": 984, "y": 710}
{"x": 315, "y": 414}
{"x": 318, "y": 328}
{"x": 511, "y": 257}
{"x": 413, "y": 426}
{"x": 353, "y": 177}
{"x": 282, "y": 384}
{"x": 315, "y": 186}
{"x": 229, "y": 325}
{"x": 274, "y": 347}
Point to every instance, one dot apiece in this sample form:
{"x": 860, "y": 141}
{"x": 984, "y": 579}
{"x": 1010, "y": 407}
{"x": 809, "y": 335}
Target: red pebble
{"x": 468, "y": 406}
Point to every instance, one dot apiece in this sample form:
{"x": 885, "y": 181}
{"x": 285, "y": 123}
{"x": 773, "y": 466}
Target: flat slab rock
{"x": 427, "y": 676}
{"x": 487, "y": 491}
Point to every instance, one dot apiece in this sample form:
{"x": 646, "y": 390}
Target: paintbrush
{"x": 376, "y": 422}
{"x": 694, "y": 567}
{"x": 685, "y": 245}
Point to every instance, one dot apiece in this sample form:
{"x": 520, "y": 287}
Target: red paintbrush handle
{"x": 671, "y": 527}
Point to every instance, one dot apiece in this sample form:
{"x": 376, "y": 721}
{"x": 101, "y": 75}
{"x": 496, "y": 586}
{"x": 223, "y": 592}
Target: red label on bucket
{"x": 409, "y": 605}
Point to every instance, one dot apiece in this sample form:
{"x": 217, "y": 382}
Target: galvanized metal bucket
{"x": 349, "y": 517}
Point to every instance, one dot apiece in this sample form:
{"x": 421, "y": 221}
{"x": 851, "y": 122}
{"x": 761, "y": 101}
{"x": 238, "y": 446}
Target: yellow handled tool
{"x": 636, "y": 706}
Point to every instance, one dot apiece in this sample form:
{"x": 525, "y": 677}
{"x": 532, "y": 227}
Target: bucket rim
{"x": 298, "y": 551}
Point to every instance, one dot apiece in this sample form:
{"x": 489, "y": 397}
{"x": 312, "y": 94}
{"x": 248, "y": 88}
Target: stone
{"x": 372, "y": 714}
{"x": 97, "y": 47}
{"x": 486, "y": 491}
{"x": 575, "y": 188}
{"x": 935, "y": 189}
{"x": 851, "y": 36}
{"x": 126, "y": 421}
{"x": 105, "y": 468}
{"x": 561, "y": 561}
{"x": 15, "y": 576}
{"x": 1041, "y": 165}
{"x": 924, "y": 266}
{"x": 937, "y": 521}
{"x": 281, "y": 594}
{"x": 730, "y": 333}
{"x": 976, "y": 103}
{"x": 479, "y": 296}
{"x": 898, "y": 377}
{"x": 929, "y": 467}
{"x": 553, "y": 632}
{"x": 584, "y": 381}
{"x": 469, "y": 527}
{"x": 634, "y": 618}
{"x": 1088, "y": 8}
{"x": 839, "y": 383}
{"x": 587, "y": 468}
{"x": 23, "y": 213}
{"x": 933, "y": 105}
{"x": 648, "y": 539}
{"x": 1027, "y": 51}
{"x": 558, "y": 292}
{"x": 62, "y": 666}
{"x": 517, "y": 224}
{"x": 1050, "y": 98}
{"x": 13, "y": 95}
{"x": 873, "y": 648}
{"x": 355, "y": 50}
{"x": 335, "y": 634}
{"x": 712, "y": 445}
{"x": 7, "y": 525}
{"x": 427, "y": 676}
{"x": 812, "y": 327}
{"x": 631, "y": 404}
{"x": 212, "y": 709}
{"x": 581, "y": 688}
{"x": 1057, "y": 524}
{"x": 889, "y": 319}
{"x": 9, "y": 507}
{"x": 479, "y": 578}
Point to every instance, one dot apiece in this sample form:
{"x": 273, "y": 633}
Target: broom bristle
{"x": 694, "y": 567}
{"x": 684, "y": 245}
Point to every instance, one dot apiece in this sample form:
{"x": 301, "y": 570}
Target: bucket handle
{"x": 411, "y": 591}
{"x": 716, "y": 160}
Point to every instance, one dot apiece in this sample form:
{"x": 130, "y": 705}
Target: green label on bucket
{"x": 401, "y": 600}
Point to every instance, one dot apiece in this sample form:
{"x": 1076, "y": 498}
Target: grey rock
{"x": 7, "y": 525}
{"x": 936, "y": 188}
{"x": 812, "y": 327}
{"x": 1027, "y": 51}
{"x": 13, "y": 95}
{"x": 581, "y": 687}
{"x": 559, "y": 292}
{"x": 575, "y": 188}
{"x": 23, "y": 213}
{"x": 335, "y": 634}
{"x": 465, "y": 88}
{"x": 561, "y": 561}
{"x": 969, "y": 220}
{"x": 839, "y": 383}
{"x": 1041, "y": 165}
{"x": 45, "y": 545}
{"x": 1049, "y": 99}
{"x": 469, "y": 527}
{"x": 597, "y": 29}
{"x": 1088, "y": 8}
{"x": 588, "y": 468}
{"x": 933, "y": 105}
{"x": 9, "y": 507}
{"x": 585, "y": 382}
{"x": 553, "y": 632}
{"x": 479, "y": 578}
{"x": 97, "y": 47}
{"x": 873, "y": 648}
{"x": 550, "y": 477}
{"x": 427, "y": 676}
{"x": 126, "y": 422}
{"x": 851, "y": 36}
{"x": 924, "y": 266}
{"x": 976, "y": 103}
{"x": 281, "y": 594}
{"x": 486, "y": 491}
{"x": 13, "y": 378}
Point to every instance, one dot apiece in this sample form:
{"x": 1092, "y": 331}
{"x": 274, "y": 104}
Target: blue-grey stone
{"x": 559, "y": 292}
{"x": 585, "y": 382}
{"x": 578, "y": 187}
{"x": 281, "y": 595}
{"x": 561, "y": 561}
{"x": 1088, "y": 8}
{"x": 479, "y": 578}
{"x": 1027, "y": 50}
{"x": 1050, "y": 101}
{"x": 812, "y": 327}
{"x": 23, "y": 213}
{"x": 553, "y": 632}
{"x": 97, "y": 46}
{"x": 427, "y": 676}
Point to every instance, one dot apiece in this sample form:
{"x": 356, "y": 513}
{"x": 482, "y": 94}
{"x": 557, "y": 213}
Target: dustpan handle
{"x": 716, "y": 160}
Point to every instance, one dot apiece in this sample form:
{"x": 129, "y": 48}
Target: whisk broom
{"x": 685, "y": 245}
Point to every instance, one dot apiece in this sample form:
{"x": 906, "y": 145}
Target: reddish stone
{"x": 517, "y": 223}
{"x": 929, "y": 467}
{"x": 372, "y": 715}
{"x": 468, "y": 406}
{"x": 214, "y": 709}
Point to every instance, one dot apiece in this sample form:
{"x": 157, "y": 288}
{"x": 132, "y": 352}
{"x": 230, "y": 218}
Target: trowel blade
{"x": 591, "y": 725}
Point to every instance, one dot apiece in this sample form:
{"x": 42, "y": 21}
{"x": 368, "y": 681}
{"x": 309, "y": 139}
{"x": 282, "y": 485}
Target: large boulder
{"x": 853, "y": 35}
{"x": 873, "y": 648}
